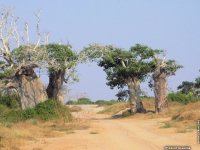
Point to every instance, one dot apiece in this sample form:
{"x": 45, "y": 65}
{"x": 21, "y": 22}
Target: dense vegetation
{"x": 47, "y": 110}
{"x": 182, "y": 98}
{"x": 87, "y": 101}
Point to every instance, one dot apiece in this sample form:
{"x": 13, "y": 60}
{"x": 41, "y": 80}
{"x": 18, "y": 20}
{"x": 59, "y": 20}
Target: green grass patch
{"x": 47, "y": 110}
{"x": 105, "y": 102}
{"x": 182, "y": 98}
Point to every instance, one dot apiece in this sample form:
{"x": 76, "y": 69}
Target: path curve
{"x": 117, "y": 134}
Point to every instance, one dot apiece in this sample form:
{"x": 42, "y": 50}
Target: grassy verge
{"x": 182, "y": 117}
{"x": 13, "y": 136}
{"x": 115, "y": 108}
{"x": 47, "y": 119}
{"x": 47, "y": 110}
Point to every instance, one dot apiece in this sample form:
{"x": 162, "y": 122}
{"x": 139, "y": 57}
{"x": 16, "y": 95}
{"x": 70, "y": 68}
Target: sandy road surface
{"x": 116, "y": 134}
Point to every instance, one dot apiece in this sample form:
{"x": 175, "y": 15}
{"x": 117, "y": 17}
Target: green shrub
{"x": 47, "y": 110}
{"x": 105, "y": 102}
{"x": 10, "y": 101}
{"x": 10, "y": 115}
{"x": 182, "y": 98}
{"x": 29, "y": 113}
{"x": 52, "y": 109}
{"x": 14, "y": 115}
{"x": 84, "y": 101}
{"x": 70, "y": 102}
{"x": 3, "y": 112}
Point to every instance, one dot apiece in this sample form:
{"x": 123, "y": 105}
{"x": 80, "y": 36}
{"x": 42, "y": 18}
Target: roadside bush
{"x": 84, "y": 101}
{"x": 29, "y": 113}
{"x": 70, "y": 102}
{"x": 80, "y": 101}
{"x": 182, "y": 98}
{"x": 47, "y": 110}
{"x": 52, "y": 109}
{"x": 10, "y": 101}
{"x": 14, "y": 115}
{"x": 105, "y": 102}
{"x": 10, "y": 115}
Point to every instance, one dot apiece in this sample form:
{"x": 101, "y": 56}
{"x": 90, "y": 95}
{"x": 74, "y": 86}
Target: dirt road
{"x": 116, "y": 134}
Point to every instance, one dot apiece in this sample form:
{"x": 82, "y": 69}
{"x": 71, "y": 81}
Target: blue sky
{"x": 172, "y": 25}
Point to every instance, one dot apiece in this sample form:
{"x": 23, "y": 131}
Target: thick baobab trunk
{"x": 160, "y": 88}
{"x": 134, "y": 96}
{"x": 54, "y": 89}
{"x": 29, "y": 87}
{"x": 139, "y": 104}
{"x": 31, "y": 91}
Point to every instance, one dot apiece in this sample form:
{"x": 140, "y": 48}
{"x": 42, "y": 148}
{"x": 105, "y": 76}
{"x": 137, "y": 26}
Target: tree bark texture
{"x": 31, "y": 91}
{"x": 29, "y": 87}
{"x": 54, "y": 89}
{"x": 160, "y": 89}
{"x": 135, "y": 101}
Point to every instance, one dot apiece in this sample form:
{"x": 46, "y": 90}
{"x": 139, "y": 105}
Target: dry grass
{"x": 115, "y": 108}
{"x": 75, "y": 109}
{"x": 183, "y": 117}
{"x": 14, "y": 135}
{"x": 94, "y": 132}
{"x": 190, "y": 112}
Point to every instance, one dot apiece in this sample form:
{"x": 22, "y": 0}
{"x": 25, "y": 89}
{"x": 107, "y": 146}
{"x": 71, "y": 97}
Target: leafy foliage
{"x": 62, "y": 54}
{"x": 6, "y": 73}
{"x": 84, "y": 101}
{"x": 120, "y": 65}
{"x": 197, "y": 83}
{"x": 52, "y": 109}
{"x": 122, "y": 95}
{"x": 182, "y": 98}
{"x": 11, "y": 101}
{"x": 171, "y": 67}
{"x": 80, "y": 101}
{"x": 186, "y": 87}
{"x": 105, "y": 102}
{"x": 47, "y": 110}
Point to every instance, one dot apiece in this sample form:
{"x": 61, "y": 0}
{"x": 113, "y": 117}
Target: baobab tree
{"x": 163, "y": 69}
{"x": 19, "y": 58}
{"x": 62, "y": 70}
{"x": 126, "y": 69}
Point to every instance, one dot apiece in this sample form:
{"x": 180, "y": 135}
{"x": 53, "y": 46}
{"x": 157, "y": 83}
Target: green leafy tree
{"x": 126, "y": 68}
{"x": 61, "y": 70}
{"x": 197, "y": 86}
{"x": 84, "y": 100}
{"x": 197, "y": 82}
{"x": 187, "y": 87}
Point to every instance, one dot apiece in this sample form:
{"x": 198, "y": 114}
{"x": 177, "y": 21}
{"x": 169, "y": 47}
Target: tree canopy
{"x": 121, "y": 65}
